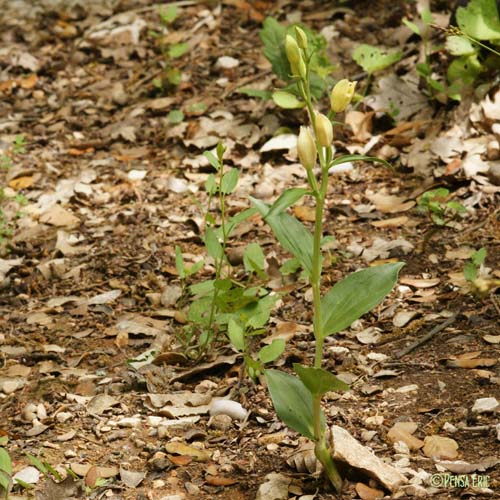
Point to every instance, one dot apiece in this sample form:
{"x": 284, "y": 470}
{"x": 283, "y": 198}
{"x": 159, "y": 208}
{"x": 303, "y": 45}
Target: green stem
{"x": 321, "y": 450}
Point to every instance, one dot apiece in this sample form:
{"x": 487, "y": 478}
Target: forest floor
{"x": 113, "y": 181}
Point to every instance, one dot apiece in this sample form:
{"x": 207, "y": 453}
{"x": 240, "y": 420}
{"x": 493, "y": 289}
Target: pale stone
{"x": 275, "y": 487}
{"x": 438, "y": 447}
{"x": 350, "y": 450}
{"x": 485, "y": 405}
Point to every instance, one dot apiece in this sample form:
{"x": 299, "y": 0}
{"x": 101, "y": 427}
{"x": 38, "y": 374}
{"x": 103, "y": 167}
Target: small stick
{"x": 426, "y": 337}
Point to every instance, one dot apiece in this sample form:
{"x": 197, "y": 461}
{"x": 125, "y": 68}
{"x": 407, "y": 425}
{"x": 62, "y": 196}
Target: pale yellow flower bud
{"x": 301, "y": 38}
{"x": 292, "y": 51}
{"x": 295, "y": 58}
{"x": 342, "y": 95}
{"x": 324, "y": 130}
{"x": 306, "y": 147}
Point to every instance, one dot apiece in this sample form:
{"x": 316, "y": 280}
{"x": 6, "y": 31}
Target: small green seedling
{"x": 472, "y": 267}
{"x": 297, "y": 399}
{"x": 172, "y": 76}
{"x": 436, "y": 87}
{"x": 442, "y": 211}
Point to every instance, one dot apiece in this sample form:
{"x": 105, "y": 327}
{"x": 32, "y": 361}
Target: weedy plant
{"x": 171, "y": 76}
{"x": 236, "y": 308}
{"x": 478, "y": 28}
{"x": 297, "y": 400}
{"x": 6, "y": 162}
{"x": 440, "y": 209}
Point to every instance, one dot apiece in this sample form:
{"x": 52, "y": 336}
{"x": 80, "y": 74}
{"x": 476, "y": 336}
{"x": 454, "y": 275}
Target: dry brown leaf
{"x": 393, "y": 222}
{"x": 367, "y": 493}
{"x": 220, "y": 480}
{"x": 22, "y": 182}
{"x": 304, "y": 213}
{"x": 419, "y": 282}
{"x": 389, "y": 204}
{"x": 185, "y": 449}
{"x": 180, "y": 460}
{"x": 471, "y": 363}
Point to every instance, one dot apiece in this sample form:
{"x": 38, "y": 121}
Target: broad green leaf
{"x": 199, "y": 310}
{"x": 5, "y": 461}
{"x": 478, "y": 257}
{"x": 292, "y": 401}
{"x": 459, "y": 46}
{"x": 202, "y": 288}
{"x": 272, "y": 351}
{"x": 290, "y": 266}
{"x": 412, "y": 26}
{"x": 373, "y": 59}
{"x": 229, "y": 181}
{"x": 212, "y": 159}
{"x": 233, "y": 222}
{"x": 236, "y": 335}
{"x": 214, "y": 248}
{"x": 286, "y": 100}
{"x": 261, "y": 311}
{"x": 427, "y": 16}
{"x": 223, "y": 284}
{"x": 464, "y": 69}
{"x": 291, "y": 233}
{"x": 470, "y": 271}
{"x": 355, "y": 295}
{"x": 174, "y": 76}
{"x": 254, "y": 259}
{"x": 272, "y": 35}
{"x": 480, "y": 19}
{"x": 177, "y": 50}
{"x": 286, "y": 199}
{"x": 319, "y": 381}
{"x": 175, "y": 116}
{"x": 197, "y": 108}
{"x": 179, "y": 262}
{"x": 210, "y": 184}
{"x": 194, "y": 268}
{"x": 261, "y": 94}
{"x": 169, "y": 14}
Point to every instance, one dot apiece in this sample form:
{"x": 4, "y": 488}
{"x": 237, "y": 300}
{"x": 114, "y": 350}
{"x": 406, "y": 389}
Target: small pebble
{"x": 485, "y": 405}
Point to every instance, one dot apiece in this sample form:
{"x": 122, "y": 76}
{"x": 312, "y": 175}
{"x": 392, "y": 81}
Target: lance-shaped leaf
{"x": 355, "y": 295}
{"x": 292, "y": 234}
{"x": 319, "y": 381}
{"x": 285, "y": 200}
{"x": 292, "y": 401}
{"x": 348, "y": 158}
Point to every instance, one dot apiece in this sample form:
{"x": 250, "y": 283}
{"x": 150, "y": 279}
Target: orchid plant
{"x": 297, "y": 400}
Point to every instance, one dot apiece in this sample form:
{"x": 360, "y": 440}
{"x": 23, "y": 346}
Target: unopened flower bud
{"x": 301, "y": 38}
{"x": 324, "y": 130}
{"x": 292, "y": 51}
{"x": 342, "y": 95}
{"x": 306, "y": 147}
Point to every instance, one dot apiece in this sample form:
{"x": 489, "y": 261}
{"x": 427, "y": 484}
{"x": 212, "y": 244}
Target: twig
{"x": 426, "y": 337}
